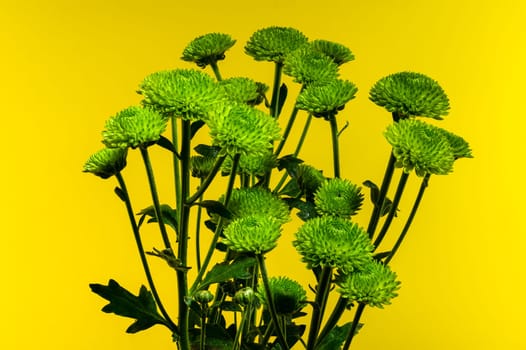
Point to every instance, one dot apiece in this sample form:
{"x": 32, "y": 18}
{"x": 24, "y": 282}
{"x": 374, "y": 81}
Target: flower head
{"x": 252, "y": 164}
{"x": 420, "y": 146}
{"x": 274, "y": 43}
{"x": 244, "y": 90}
{"x": 246, "y": 202}
{"x": 308, "y": 66}
{"x": 186, "y": 93}
{"x": 410, "y": 94}
{"x": 459, "y": 146}
{"x": 337, "y": 52}
{"x": 327, "y": 99}
{"x": 106, "y": 162}
{"x": 208, "y": 48}
{"x": 288, "y": 295}
{"x": 201, "y": 166}
{"x": 375, "y": 285}
{"x": 133, "y": 127}
{"x": 243, "y": 130}
{"x": 255, "y": 234}
{"x": 333, "y": 241}
{"x": 338, "y": 197}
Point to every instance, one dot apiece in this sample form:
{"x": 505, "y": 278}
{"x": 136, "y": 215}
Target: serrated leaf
{"x": 307, "y": 210}
{"x": 123, "y": 303}
{"x": 282, "y": 97}
{"x": 120, "y": 193}
{"x": 207, "y": 150}
{"x": 291, "y": 189}
{"x": 167, "y": 144}
{"x": 290, "y": 164}
{"x": 195, "y": 126}
{"x": 225, "y": 271}
{"x": 375, "y": 198}
{"x": 169, "y": 215}
{"x": 216, "y": 337}
{"x": 215, "y": 207}
{"x": 335, "y": 338}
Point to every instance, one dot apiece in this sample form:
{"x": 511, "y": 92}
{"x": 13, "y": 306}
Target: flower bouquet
{"x": 226, "y": 298}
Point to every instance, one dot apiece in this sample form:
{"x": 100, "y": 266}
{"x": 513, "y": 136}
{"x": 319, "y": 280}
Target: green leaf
{"x": 216, "y": 337}
{"x": 120, "y": 193}
{"x": 291, "y": 189}
{"x": 282, "y": 97}
{"x": 225, "y": 271}
{"x": 289, "y": 163}
{"x": 335, "y": 338}
{"x": 215, "y": 207}
{"x": 167, "y": 144}
{"x": 169, "y": 215}
{"x": 375, "y": 196}
{"x": 207, "y": 150}
{"x": 307, "y": 210}
{"x": 123, "y": 303}
{"x": 195, "y": 126}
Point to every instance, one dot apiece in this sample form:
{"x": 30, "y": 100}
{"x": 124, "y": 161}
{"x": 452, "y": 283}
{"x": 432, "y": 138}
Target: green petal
{"x": 337, "y": 52}
{"x": 288, "y": 295}
{"x": 252, "y": 201}
{"x": 207, "y": 49}
{"x": 327, "y": 99}
{"x": 256, "y": 234}
{"x": 106, "y": 162}
{"x": 338, "y": 197}
{"x": 410, "y": 94}
{"x": 244, "y": 90}
{"x": 274, "y": 43}
{"x": 308, "y": 66}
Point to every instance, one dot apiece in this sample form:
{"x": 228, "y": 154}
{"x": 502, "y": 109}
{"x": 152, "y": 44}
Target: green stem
{"x": 287, "y": 130}
{"x": 219, "y": 227}
{"x": 335, "y": 145}
{"x": 202, "y": 343}
{"x": 170, "y": 324}
{"x": 207, "y": 181}
{"x": 184, "y": 215}
{"x": 198, "y": 235}
{"x": 215, "y": 68}
{"x": 322, "y": 293}
{"x": 392, "y": 212}
{"x": 177, "y": 173}
{"x": 423, "y": 186}
{"x": 335, "y": 316}
{"x": 378, "y": 206}
{"x": 354, "y": 326}
{"x": 155, "y": 197}
{"x": 275, "y": 90}
{"x": 272, "y": 308}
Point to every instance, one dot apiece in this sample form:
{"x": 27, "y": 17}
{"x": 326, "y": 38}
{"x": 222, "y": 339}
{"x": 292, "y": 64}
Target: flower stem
{"x": 322, "y": 293}
{"x": 335, "y": 316}
{"x": 207, "y": 181}
{"x": 354, "y": 326}
{"x": 287, "y": 130}
{"x": 379, "y": 205}
{"x": 275, "y": 90}
{"x": 170, "y": 324}
{"x": 423, "y": 186}
{"x": 215, "y": 68}
{"x": 177, "y": 174}
{"x": 155, "y": 197}
{"x": 335, "y": 145}
{"x": 272, "y": 308}
{"x": 394, "y": 207}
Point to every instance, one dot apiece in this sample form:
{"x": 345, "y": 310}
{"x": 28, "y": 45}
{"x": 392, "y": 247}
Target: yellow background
{"x": 67, "y": 66}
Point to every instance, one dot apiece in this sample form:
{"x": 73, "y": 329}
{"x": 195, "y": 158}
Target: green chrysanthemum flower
{"x": 274, "y": 43}
{"x": 201, "y": 166}
{"x": 288, "y": 295}
{"x": 253, "y": 164}
{"x": 337, "y": 52}
{"x": 244, "y": 90}
{"x": 186, "y": 93}
{"x": 338, "y": 197}
{"x": 133, "y": 127}
{"x": 106, "y": 162}
{"x": 375, "y": 285}
{"x": 243, "y": 130}
{"x": 245, "y": 296}
{"x": 309, "y": 179}
{"x": 256, "y": 234}
{"x": 459, "y": 146}
{"x": 420, "y": 146}
{"x": 245, "y": 202}
{"x": 207, "y": 49}
{"x": 410, "y": 94}
{"x": 308, "y": 66}
{"x": 333, "y": 241}
{"x": 327, "y": 99}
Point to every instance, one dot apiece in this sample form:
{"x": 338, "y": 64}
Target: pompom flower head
{"x": 106, "y": 162}
{"x": 420, "y": 146}
{"x": 274, "y": 43}
{"x": 201, "y": 166}
{"x": 307, "y": 66}
{"x": 208, "y": 49}
{"x": 375, "y": 285}
{"x": 252, "y": 201}
{"x": 459, "y": 146}
{"x": 252, "y": 164}
{"x": 410, "y": 94}
{"x": 338, "y": 197}
{"x": 244, "y": 90}
{"x": 333, "y": 241}
{"x": 255, "y": 234}
{"x": 241, "y": 129}
{"x": 337, "y": 52}
{"x": 288, "y": 295}
{"x": 186, "y": 93}
{"x": 133, "y": 127}
{"x": 327, "y": 99}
